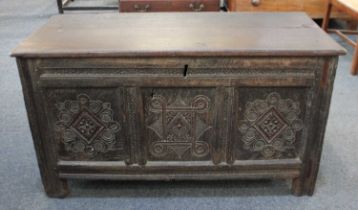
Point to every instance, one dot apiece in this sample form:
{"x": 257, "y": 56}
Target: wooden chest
{"x": 168, "y": 5}
{"x": 178, "y": 96}
{"x": 314, "y": 8}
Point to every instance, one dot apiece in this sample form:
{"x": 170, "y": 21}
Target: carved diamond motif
{"x": 270, "y": 125}
{"x": 87, "y": 127}
{"x": 178, "y": 126}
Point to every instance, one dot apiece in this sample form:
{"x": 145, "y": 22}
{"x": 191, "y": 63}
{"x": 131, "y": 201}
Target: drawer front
{"x": 197, "y": 6}
{"x": 145, "y": 6}
{"x": 314, "y": 8}
{"x": 269, "y": 5}
{"x": 167, "y": 6}
{"x": 87, "y": 124}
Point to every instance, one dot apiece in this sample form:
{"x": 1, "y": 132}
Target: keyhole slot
{"x": 152, "y": 93}
{"x": 185, "y": 71}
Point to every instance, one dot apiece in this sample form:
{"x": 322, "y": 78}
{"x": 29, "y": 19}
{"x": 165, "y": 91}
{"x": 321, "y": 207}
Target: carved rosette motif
{"x": 86, "y": 126}
{"x": 178, "y": 126}
{"x": 270, "y": 125}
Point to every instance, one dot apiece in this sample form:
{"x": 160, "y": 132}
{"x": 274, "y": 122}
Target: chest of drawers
{"x": 178, "y": 96}
{"x": 169, "y": 5}
{"x": 314, "y": 8}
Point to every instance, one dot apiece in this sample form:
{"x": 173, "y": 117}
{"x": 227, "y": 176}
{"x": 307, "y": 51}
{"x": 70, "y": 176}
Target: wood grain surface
{"x": 179, "y": 34}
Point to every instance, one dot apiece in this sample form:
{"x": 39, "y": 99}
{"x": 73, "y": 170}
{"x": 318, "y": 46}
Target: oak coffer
{"x": 178, "y": 96}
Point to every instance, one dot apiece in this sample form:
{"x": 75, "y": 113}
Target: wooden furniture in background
{"x": 169, "y": 5}
{"x": 350, "y": 7}
{"x": 64, "y": 5}
{"x": 178, "y": 96}
{"x": 314, "y": 8}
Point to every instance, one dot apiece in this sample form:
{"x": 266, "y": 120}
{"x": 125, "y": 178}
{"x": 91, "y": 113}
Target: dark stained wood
{"x": 264, "y": 174}
{"x": 305, "y": 183}
{"x": 174, "y": 170}
{"x": 46, "y": 154}
{"x": 99, "y": 111}
{"x": 179, "y": 34}
{"x": 169, "y": 5}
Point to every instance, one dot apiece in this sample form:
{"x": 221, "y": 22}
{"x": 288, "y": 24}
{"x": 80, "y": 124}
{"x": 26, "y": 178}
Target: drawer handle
{"x": 255, "y": 3}
{"x": 196, "y": 7}
{"x": 144, "y": 8}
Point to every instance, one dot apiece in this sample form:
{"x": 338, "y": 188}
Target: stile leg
{"x": 45, "y": 151}
{"x": 305, "y": 183}
{"x": 55, "y": 187}
{"x": 296, "y": 187}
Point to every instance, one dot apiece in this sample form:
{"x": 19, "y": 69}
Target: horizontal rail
{"x": 90, "y": 8}
{"x": 345, "y": 38}
{"x": 196, "y": 170}
{"x": 291, "y": 173}
{"x": 302, "y": 79}
{"x": 343, "y": 31}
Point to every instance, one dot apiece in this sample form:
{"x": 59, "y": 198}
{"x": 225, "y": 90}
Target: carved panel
{"x": 86, "y": 127}
{"x": 269, "y": 126}
{"x": 179, "y": 121}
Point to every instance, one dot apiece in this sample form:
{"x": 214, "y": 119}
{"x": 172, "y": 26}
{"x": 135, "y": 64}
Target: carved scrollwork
{"x": 178, "y": 126}
{"x": 86, "y": 126}
{"x": 270, "y": 125}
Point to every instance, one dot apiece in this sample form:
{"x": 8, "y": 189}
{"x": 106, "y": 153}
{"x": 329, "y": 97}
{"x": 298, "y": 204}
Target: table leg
{"x": 327, "y": 15}
{"x": 354, "y": 70}
{"x": 60, "y": 6}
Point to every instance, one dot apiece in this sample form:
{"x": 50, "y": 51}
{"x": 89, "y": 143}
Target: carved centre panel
{"x": 269, "y": 126}
{"x": 178, "y": 122}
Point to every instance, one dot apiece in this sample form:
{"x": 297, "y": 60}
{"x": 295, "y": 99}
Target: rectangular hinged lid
{"x": 179, "y": 34}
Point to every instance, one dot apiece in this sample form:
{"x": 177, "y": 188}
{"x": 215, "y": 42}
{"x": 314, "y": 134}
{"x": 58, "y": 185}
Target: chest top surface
{"x": 179, "y": 34}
